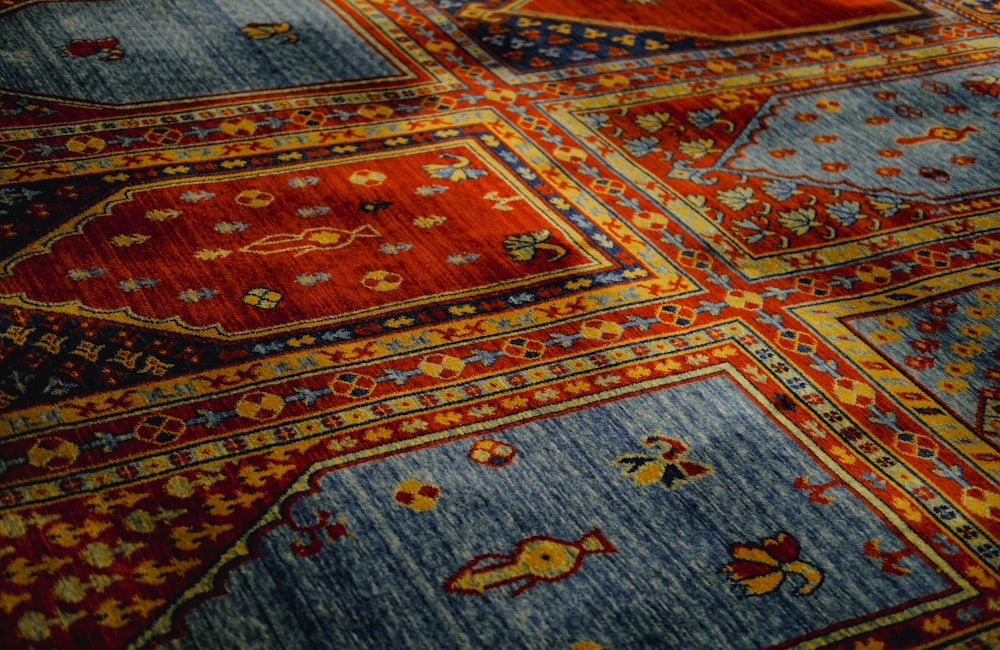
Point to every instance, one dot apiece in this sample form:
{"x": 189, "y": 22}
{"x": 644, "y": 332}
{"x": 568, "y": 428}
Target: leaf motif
{"x": 697, "y": 148}
{"x": 641, "y": 146}
{"x": 798, "y": 220}
{"x": 652, "y": 122}
{"x": 523, "y": 247}
{"x": 737, "y": 198}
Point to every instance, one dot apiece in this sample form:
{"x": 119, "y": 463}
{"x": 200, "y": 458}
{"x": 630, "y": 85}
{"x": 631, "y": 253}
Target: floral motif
{"x": 524, "y": 246}
{"x": 667, "y": 468}
{"x": 761, "y": 568}
{"x": 456, "y": 171}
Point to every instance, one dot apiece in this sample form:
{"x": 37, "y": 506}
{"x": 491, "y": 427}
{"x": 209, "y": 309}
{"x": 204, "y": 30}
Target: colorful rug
{"x": 499, "y": 324}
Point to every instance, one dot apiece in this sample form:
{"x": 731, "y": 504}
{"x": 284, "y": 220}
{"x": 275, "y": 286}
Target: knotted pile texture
{"x": 523, "y": 324}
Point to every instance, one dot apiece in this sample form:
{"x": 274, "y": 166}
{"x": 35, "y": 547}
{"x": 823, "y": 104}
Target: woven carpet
{"x": 520, "y": 324}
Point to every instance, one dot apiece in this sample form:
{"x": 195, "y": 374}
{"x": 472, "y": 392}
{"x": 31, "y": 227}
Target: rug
{"x": 499, "y": 324}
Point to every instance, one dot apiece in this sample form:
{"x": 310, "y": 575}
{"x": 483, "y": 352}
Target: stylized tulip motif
{"x": 761, "y": 568}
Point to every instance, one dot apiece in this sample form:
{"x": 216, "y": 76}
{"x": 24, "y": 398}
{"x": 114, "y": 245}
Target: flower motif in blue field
{"x": 761, "y": 568}
{"x": 667, "y": 465}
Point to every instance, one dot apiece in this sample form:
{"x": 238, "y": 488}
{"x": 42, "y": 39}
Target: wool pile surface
{"x": 612, "y": 325}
